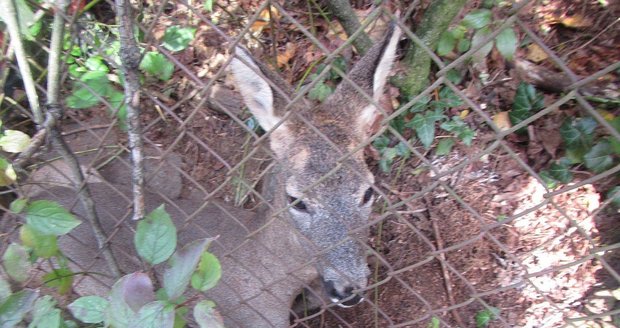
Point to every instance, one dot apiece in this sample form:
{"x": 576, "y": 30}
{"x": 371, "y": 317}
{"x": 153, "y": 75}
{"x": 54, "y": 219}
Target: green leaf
{"x": 156, "y": 236}
{"x": 93, "y": 87}
{"x": 61, "y": 279}
{"x": 480, "y": 35}
{"x": 447, "y": 99}
{"x": 560, "y": 172}
{"x": 7, "y": 173}
{"x": 18, "y": 205}
{"x": 208, "y": 5}
{"x": 506, "y": 43}
{"x": 578, "y": 135}
{"x": 181, "y": 267}
{"x": 477, "y": 19}
{"x": 320, "y": 92}
{"x": 206, "y": 316}
{"x": 435, "y": 323}
{"x": 25, "y": 18}
{"x": 157, "y": 65}
{"x": 463, "y": 45}
{"x": 208, "y": 273}
{"x": 15, "y": 262}
{"x": 484, "y": 317}
{"x": 402, "y": 150}
{"x": 128, "y": 295}
{"x": 177, "y": 38}
{"x": 44, "y": 314}
{"x": 117, "y": 100}
{"x": 157, "y": 314}
{"x": 549, "y": 181}
{"x": 459, "y": 129}
{"x": 43, "y": 246}
{"x": 5, "y": 289}
{"x": 444, "y": 146}
{"x": 89, "y": 309}
{"x": 424, "y": 125}
{"x": 599, "y": 158}
{"x": 446, "y": 43}
{"x": 526, "y": 102}
{"x": 14, "y": 308}
{"x": 49, "y": 218}
{"x": 14, "y": 141}
{"x": 96, "y": 63}
{"x": 381, "y": 142}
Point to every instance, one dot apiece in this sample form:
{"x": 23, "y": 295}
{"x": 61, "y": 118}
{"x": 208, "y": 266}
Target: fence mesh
{"x": 476, "y": 228}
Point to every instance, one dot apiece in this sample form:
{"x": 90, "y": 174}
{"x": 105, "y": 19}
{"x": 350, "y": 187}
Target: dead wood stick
{"x": 442, "y": 261}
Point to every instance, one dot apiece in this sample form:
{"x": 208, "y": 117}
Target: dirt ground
{"x": 490, "y": 260}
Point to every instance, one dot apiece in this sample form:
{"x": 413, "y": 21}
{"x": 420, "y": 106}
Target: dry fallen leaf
{"x": 535, "y": 53}
{"x": 283, "y": 58}
{"x": 502, "y": 120}
{"x": 463, "y": 114}
{"x": 576, "y": 21}
{"x": 264, "y": 18}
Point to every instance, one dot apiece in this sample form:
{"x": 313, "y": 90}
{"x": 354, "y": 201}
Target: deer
{"x": 313, "y": 224}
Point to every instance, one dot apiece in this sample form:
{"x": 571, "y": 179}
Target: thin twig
{"x": 130, "y": 59}
{"x": 53, "y": 116}
{"x": 442, "y": 261}
{"x": 9, "y": 16}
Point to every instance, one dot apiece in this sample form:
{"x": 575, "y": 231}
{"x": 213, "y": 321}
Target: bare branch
{"x": 130, "y": 59}
{"x": 9, "y": 15}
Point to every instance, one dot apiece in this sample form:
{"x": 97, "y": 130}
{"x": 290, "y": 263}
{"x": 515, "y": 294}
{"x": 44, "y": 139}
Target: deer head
{"x": 330, "y": 198}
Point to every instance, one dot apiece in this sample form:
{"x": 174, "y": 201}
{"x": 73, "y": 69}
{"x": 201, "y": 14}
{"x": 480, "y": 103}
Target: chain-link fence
{"x": 492, "y": 203}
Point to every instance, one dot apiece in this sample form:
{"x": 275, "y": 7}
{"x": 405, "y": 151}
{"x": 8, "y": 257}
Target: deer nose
{"x": 345, "y": 298}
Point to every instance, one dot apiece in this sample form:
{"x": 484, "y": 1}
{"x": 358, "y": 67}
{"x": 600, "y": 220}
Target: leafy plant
{"x": 177, "y": 38}
{"x": 484, "y": 317}
{"x": 11, "y": 141}
{"x": 326, "y": 85}
{"x": 423, "y": 118}
{"x": 527, "y": 101}
{"x": 472, "y": 30}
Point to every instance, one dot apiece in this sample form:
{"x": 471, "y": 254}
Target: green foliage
{"x": 205, "y": 315}
{"x": 444, "y": 146}
{"x": 578, "y": 136}
{"x": 15, "y": 262}
{"x": 154, "y": 315}
{"x": 434, "y": 323}
{"x": 177, "y": 38}
{"x": 484, "y": 317}
{"x": 208, "y": 273}
{"x": 459, "y": 129}
{"x": 424, "y": 126}
{"x": 326, "y": 86}
{"x": 61, "y": 279}
{"x": 472, "y": 30}
{"x": 208, "y": 5}
{"x": 15, "y": 307}
{"x": 14, "y": 141}
{"x": 614, "y": 195}
{"x": 156, "y": 236}
{"x": 45, "y": 314}
{"x": 89, "y": 309}
{"x": 49, "y": 218}
{"x": 527, "y": 101}
{"x": 182, "y": 265}
{"x": 599, "y": 158}
{"x": 157, "y": 65}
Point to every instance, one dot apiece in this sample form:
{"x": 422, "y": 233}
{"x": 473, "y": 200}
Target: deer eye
{"x": 367, "y": 196}
{"x": 300, "y": 205}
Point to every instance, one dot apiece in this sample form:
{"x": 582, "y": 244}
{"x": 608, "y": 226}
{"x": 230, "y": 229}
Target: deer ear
{"x": 254, "y": 88}
{"x": 370, "y": 75}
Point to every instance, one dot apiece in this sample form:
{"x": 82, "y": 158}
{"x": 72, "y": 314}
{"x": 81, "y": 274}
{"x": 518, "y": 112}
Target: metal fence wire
{"x": 493, "y": 223}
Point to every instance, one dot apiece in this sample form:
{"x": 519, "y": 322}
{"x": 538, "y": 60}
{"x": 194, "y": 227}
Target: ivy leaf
{"x": 157, "y": 65}
{"x": 61, "y": 279}
{"x": 578, "y": 135}
{"x": 484, "y": 317}
{"x": 444, "y": 146}
{"x": 96, "y": 63}
{"x": 320, "y": 92}
{"x": 89, "y": 309}
{"x": 477, "y": 19}
{"x": 446, "y": 43}
{"x": 424, "y": 128}
{"x": 177, "y": 38}
{"x": 14, "y": 141}
{"x": 94, "y": 86}
{"x": 181, "y": 266}
{"x": 599, "y": 159}
{"x": 548, "y": 180}
{"x": 506, "y": 43}
{"x": 49, "y": 218}
{"x": 206, "y": 316}
{"x": 208, "y": 273}
{"x": 15, "y": 262}
{"x": 526, "y": 102}
{"x": 447, "y": 99}
{"x": 560, "y": 171}
{"x": 14, "y": 308}
{"x": 156, "y": 236}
